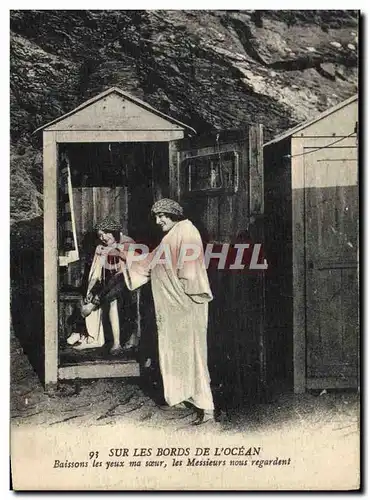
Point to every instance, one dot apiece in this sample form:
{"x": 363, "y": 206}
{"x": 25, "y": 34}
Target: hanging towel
{"x": 68, "y": 243}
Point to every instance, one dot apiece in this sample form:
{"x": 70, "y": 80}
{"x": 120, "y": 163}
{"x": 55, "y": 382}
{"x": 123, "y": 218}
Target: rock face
{"x": 210, "y": 69}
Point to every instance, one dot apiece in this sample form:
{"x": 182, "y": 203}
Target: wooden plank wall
{"x": 236, "y": 313}
{"x": 331, "y": 215}
{"x": 91, "y": 205}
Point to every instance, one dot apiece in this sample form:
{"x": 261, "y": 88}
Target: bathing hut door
{"x": 331, "y": 243}
{"x": 219, "y": 180}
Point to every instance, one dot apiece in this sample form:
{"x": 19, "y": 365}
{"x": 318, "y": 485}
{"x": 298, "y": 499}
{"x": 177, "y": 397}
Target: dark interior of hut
{"x": 121, "y": 180}
{"x": 278, "y": 321}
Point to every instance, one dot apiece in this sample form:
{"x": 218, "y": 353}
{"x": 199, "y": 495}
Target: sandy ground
{"x": 105, "y": 402}
{"x": 105, "y": 413}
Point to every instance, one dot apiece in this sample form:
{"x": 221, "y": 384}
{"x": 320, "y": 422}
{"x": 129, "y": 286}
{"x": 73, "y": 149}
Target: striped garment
{"x": 68, "y": 239}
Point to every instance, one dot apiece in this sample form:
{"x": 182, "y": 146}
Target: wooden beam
{"x": 256, "y": 207}
{"x": 299, "y": 277}
{"x": 327, "y": 142}
{"x": 256, "y": 184}
{"x": 174, "y": 172}
{"x": 50, "y": 258}
{"x": 332, "y": 383}
{"x": 119, "y": 135}
{"x": 99, "y": 370}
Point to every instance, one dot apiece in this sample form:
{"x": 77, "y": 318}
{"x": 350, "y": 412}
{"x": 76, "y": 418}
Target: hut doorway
{"x": 117, "y": 148}
{"x": 119, "y": 180}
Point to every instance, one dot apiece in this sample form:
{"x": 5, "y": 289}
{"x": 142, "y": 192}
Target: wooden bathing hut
{"x": 311, "y": 242}
{"x": 116, "y": 146}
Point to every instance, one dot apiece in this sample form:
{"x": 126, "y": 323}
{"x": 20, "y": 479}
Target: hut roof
{"x": 125, "y": 95}
{"x": 302, "y": 126}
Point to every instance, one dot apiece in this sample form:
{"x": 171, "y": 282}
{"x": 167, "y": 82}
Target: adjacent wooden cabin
{"x": 116, "y": 147}
{"x": 123, "y": 156}
{"x": 311, "y": 241}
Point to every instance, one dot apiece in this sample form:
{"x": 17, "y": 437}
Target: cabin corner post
{"x": 174, "y": 174}
{"x": 50, "y": 259}
{"x": 256, "y": 175}
{"x": 299, "y": 274}
{"x": 256, "y": 210}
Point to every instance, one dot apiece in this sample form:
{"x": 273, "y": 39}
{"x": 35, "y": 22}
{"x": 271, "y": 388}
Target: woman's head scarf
{"x": 108, "y": 224}
{"x": 165, "y": 205}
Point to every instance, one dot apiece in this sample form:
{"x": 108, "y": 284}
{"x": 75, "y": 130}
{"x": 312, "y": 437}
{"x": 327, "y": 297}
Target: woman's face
{"x": 164, "y": 222}
{"x": 106, "y": 238}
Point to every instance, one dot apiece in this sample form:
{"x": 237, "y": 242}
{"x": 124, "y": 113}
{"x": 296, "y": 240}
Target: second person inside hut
{"x": 107, "y": 293}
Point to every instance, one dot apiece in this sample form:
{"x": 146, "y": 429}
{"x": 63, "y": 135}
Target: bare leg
{"x": 114, "y": 321}
{"x": 133, "y": 341}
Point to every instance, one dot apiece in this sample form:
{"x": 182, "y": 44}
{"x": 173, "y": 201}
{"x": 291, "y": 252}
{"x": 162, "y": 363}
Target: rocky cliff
{"x": 210, "y": 69}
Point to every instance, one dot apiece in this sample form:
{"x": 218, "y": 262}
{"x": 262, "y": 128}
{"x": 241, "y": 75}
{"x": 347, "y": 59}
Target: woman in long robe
{"x": 181, "y": 293}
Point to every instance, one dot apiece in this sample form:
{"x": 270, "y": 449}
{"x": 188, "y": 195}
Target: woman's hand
{"x": 122, "y": 253}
